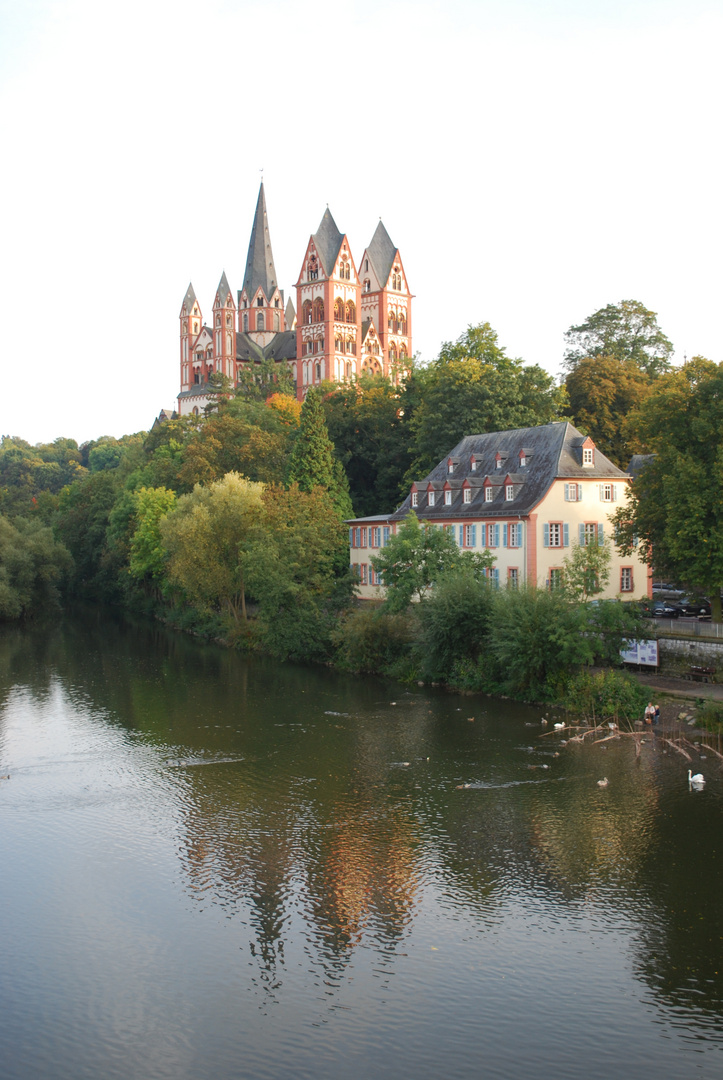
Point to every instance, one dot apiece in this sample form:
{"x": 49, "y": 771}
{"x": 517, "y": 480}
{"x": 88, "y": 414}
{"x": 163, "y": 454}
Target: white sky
{"x": 533, "y": 160}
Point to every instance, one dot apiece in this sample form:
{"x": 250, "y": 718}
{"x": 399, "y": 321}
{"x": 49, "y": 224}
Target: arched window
{"x": 195, "y": 410}
{"x": 390, "y": 321}
{"x": 246, "y": 324}
{"x": 402, "y": 324}
{"x": 348, "y": 369}
{"x": 260, "y": 320}
{"x": 402, "y": 352}
{"x": 259, "y": 301}
{"x": 392, "y": 352}
{"x": 306, "y": 311}
{"x": 276, "y": 323}
{"x": 339, "y": 310}
{"x": 318, "y": 372}
{"x": 229, "y": 347}
{"x": 318, "y": 310}
{"x": 313, "y": 269}
{"x": 218, "y": 320}
{"x": 367, "y": 285}
{"x": 350, "y": 311}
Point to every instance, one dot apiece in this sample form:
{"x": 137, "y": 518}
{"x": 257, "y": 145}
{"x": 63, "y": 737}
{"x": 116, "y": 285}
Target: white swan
{"x": 696, "y": 780}
{"x": 559, "y": 727}
{"x": 604, "y": 782}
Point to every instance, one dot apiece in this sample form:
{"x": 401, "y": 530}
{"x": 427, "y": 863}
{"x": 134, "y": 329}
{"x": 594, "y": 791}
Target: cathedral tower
{"x": 260, "y": 302}
{"x": 224, "y": 330}
{"x": 387, "y": 304}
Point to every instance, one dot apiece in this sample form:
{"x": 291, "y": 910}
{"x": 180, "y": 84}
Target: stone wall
{"x": 676, "y": 655}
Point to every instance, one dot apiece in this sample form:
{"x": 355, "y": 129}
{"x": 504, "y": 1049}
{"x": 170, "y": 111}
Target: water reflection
{"x": 326, "y": 822}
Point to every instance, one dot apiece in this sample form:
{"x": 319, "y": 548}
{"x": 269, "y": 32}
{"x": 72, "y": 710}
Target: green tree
{"x": 33, "y": 566}
{"x": 675, "y": 506}
{"x": 455, "y": 622}
{"x": 474, "y": 387}
{"x": 416, "y": 557}
{"x": 297, "y": 569}
{"x": 312, "y": 462}
{"x": 368, "y": 423}
{"x": 204, "y": 537}
{"x": 602, "y": 393}
{"x": 627, "y": 331}
{"x": 587, "y": 569}
{"x": 147, "y": 560}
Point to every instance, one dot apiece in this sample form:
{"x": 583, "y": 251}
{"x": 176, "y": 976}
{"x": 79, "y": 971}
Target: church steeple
{"x": 260, "y": 270}
{"x": 260, "y": 302}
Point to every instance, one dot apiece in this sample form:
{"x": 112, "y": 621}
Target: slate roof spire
{"x": 382, "y": 252}
{"x": 189, "y": 300}
{"x": 223, "y": 289}
{"x": 327, "y": 239}
{"x": 260, "y": 269}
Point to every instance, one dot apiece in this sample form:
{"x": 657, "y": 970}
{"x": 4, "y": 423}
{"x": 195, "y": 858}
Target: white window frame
{"x": 557, "y": 533}
{"x": 509, "y": 492}
{"x": 467, "y": 496}
{"x": 430, "y": 498}
{"x": 415, "y": 498}
{"x": 489, "y": 494}
{"x": 448, "y": 498}
{"x": 588, "y": 457}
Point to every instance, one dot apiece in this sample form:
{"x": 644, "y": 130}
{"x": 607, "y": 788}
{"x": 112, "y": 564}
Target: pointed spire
{"x": 260, "y": 270}
{"x": 290, "y": 316}
{"x": 327, "y": 239}
{"x": 223, "y": 289}
{"x": 382, "y": 253}
{"x": 189, "y": 300}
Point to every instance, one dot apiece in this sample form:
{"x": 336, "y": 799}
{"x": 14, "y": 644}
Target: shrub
{"x": 710, "y": 716}
{"x": 605, "y": 695}
{"x": 370, "y": 639}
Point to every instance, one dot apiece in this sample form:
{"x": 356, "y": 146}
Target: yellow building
{"x": 527, "y": 495}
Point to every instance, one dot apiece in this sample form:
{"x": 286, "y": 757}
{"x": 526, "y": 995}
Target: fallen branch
{"x": 680, "y": 749}
{"x": 607, "y": 738}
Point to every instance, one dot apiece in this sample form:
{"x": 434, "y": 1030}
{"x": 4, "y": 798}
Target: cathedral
{"x": 350, "y": 319}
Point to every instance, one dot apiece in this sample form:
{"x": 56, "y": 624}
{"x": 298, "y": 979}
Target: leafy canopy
{"x": 627, "y": 331}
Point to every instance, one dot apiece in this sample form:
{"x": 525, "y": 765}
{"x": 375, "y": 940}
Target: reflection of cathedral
{"x": 351, "y": 319}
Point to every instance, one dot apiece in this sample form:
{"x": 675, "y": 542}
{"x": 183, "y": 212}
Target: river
{"x": 218, "y": 866}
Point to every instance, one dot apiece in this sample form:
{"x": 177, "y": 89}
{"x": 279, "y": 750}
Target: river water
{"x": 215, "y": 866}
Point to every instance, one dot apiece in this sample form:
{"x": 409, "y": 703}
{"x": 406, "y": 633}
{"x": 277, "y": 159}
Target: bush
{"x": 455, "y": 625}
{"x": 709, "y": 715}
{"x": 605, "y": 695}
{"x": 369, "y": 639}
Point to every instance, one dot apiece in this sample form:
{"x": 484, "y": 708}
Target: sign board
{"x": 640, "y": 652}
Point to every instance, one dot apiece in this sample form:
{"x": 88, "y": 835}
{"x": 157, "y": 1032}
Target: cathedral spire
{"x": 260, "y": 270}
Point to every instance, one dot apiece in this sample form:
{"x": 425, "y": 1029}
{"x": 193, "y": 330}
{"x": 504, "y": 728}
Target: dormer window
{"x": 473, "y": 465}
{"x": 448, "y": 498}
{"x": 498, "y": 463}
{"x": 588, "y": 457}
{"x": 450, "y": 466}
{"x": 509, "y": 492}
{"x": 430, "y": 498}
{"x": 489, "y": 494}
{"x": 467, "y": 497}
{"x": 523, "y": 461}
{"x": 415, "y": 498}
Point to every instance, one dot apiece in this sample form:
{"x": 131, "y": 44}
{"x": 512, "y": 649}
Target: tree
{"x": 416, "y": 556}
{"x": 297, "y": 567}
{"x": 675, "y": 506}
{"x": 474, "y": 387}
{"x": 602, "y": 393}
{"x": 312, "y": 462}
{"x": 627, "y": 331}
{"x": 455, "y": 622}
{"x": 204, "y": 537}
{"x": 368, "y": 424}
{"x": 248, "y": 437}
{"x": 32, "y": 567}
{"x": 147, "y": 559}
{"x": 587, "y": 569}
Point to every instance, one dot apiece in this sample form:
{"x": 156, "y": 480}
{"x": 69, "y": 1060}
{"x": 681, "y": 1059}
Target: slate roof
{"x": 223, "y": 289}
{"x": 382, "y": 252}
{"x": 260, "y": 270}
{"x": 281, "y": 347}
{"x": 554, "y": 451}
{"x": 189, "y": 299}
{"x": 327, "y": 239}
{"x": 637, "y": 464}
{"x": 290, "y": 315}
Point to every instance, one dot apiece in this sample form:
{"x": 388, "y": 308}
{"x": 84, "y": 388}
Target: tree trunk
{"x": 715, "y": 605}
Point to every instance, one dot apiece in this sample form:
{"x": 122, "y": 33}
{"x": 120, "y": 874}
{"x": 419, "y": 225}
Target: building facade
{"x": 349, "y": 319}
{"x": 527, "y": 495}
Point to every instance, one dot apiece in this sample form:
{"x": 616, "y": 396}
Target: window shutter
{"x": 601, "y": 490}
{"x": 600, "y": 533}
{"x": 581, "y": 535}
{"x": 567, "y": 492}
{"x": 615, "y": 492}
{"x": 351, "y": 538}
{"x": 504, "y": 535}
{"x": 579, "y": 492}
{"x": 497, "y": 536}
{"x": 545, "y": 535}
{"x": 565, "y": 535}
{"x": 461, "y": 535}
{"x": 474, "y": 536}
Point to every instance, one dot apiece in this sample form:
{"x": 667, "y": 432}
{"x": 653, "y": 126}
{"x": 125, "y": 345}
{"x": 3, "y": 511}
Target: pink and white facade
{"x": 348, "y": 320}
{"x": 526, "y": 495}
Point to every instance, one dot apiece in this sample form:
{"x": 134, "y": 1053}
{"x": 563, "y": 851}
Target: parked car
{"x": 697, "y": 608}
{"x": 663, "y": 609}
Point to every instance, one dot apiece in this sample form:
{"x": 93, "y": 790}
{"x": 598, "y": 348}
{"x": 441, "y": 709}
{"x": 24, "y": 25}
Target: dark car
{"x": 697, "y": 608}
{"x": 663, "y": 609}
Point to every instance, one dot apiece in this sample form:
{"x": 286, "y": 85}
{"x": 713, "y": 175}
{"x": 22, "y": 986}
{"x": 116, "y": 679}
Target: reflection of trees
{"x": 311, "y": 829}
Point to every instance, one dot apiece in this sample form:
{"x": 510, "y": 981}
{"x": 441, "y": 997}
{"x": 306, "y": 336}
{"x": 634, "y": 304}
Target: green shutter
{"x": 600, "y": 533}
{"x": 565, "y": 535}
{"x": 504, "y": 535}
{"x": 581, "y": 535}
{"x": 474, "y": 536}
{"x": 545, "y": 535}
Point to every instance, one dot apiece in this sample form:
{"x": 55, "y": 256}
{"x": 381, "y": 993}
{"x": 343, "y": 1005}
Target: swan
{"x": 697, "y": 780}
{"x": 543, "y": 721}
{"x": 604, "y": 782}
{"x": 559, "y": 727}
